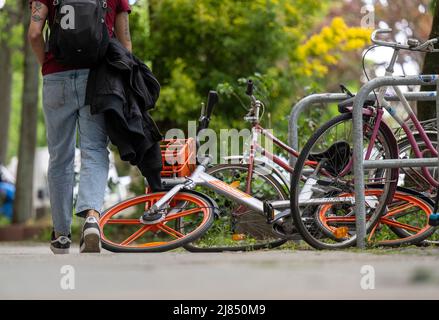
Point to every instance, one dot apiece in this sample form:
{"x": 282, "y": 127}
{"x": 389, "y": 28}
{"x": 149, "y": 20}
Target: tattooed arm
{"x": 122, "y": 29}
{"x": 35, "y": 32}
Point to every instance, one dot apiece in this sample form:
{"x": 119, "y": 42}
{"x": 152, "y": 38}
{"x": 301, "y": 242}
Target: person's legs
{"x": 93, "y": 142}
{"x": 60, "y": 115}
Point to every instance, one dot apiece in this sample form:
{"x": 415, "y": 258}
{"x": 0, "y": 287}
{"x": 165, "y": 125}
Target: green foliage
{"x": 9, "y": 30}
{"x": 178, "y": 94}
{"x": 14, "y": 129}
{"x": 196, "y": 46}
{"x": 139, "y": 24}
{"x": 210, "y": 42}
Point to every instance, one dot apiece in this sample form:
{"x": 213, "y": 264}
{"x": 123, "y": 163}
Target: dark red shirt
{"x": 114, "y": 7}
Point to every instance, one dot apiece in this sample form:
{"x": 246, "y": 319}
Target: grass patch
{"x": 4, "y": 221}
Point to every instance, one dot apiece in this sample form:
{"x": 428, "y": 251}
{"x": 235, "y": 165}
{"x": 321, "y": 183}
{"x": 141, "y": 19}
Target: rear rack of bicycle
{"x": 178, "y": 157}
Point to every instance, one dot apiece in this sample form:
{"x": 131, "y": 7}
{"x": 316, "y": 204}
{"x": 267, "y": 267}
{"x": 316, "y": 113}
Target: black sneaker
{"x": 60, "y": 245}
{"x": 91, "y": 236}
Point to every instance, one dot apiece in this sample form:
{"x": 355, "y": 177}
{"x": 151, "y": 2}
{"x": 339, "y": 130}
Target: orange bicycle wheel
{"x": 189, "y": 216}
{"x": 404, "y": 223}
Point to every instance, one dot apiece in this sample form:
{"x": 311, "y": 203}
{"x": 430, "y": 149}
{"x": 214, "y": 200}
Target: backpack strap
{"x": 56, "y": 4}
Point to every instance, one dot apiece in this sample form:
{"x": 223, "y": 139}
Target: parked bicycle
{"x": 240, "y": 228}
{"x": 333, "y": 175}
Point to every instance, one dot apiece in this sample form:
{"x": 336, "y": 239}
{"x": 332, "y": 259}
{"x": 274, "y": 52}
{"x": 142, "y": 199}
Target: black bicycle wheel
{"x": 321, "y": 178}
{"x": 237, "y": 228}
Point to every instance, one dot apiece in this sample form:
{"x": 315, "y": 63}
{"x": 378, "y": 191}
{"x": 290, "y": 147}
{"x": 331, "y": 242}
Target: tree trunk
{"x": 11, "y": 16}
{"x": 427, "y": 109}
{"x": 5, "y": 98}
{"x": 28, "y": 129}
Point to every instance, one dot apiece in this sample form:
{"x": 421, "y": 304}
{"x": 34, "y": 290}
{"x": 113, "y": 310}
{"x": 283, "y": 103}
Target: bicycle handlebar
{"x": 206, "y": 110}
{"x": 250, "y": 90}
{"x": 413, "y": 45}
{"x": 250, "y": 87}
{"x": 212, "y": 100}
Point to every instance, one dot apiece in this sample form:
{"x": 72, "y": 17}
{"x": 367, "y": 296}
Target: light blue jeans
{"x": 66, "y": 116}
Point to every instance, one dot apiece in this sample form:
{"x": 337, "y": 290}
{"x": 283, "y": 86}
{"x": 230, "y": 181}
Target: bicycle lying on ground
{"x": 185, "y": 214}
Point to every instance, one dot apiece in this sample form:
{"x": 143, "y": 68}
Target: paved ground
{"x": 31, "y": 271}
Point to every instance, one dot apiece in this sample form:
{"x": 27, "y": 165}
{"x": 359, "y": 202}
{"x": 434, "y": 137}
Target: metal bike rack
{"x": 302, "y": 105}
{"x": 325, "y": 98}
{"x": 360, "y": 164}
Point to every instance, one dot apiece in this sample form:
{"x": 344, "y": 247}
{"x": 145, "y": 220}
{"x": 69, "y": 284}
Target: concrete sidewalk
{"x": 31, "y": 271}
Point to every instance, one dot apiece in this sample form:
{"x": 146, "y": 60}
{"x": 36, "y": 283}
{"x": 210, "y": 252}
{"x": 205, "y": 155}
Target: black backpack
{"x": 78, "y": 34}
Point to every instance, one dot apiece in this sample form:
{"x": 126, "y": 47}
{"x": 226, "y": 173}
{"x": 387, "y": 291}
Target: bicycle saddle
{"x": 337, "y": 157}
{"x": 344, "y": 106}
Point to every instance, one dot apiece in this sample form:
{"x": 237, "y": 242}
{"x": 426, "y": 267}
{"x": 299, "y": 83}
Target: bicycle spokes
{"x": 122, "y": 227}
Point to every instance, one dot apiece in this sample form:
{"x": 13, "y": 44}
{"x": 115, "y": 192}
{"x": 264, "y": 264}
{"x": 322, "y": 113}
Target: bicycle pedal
{"x": 434, "y": 220}
{"x": 268, "y": 211}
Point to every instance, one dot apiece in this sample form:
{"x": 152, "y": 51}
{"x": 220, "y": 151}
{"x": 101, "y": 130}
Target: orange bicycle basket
{"x": 178, "y": 157}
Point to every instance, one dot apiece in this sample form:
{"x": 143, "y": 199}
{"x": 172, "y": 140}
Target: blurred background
{"x": 290, "y": 48}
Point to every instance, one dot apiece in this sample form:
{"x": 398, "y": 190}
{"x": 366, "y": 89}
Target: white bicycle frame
{"x": 200, "y": 178}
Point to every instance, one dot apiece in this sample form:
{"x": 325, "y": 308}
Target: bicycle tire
{"x": 422, "y": 186}
{"x": 404, "y": 148}
{"x": 409, "y": 209}
{"x": 388, "y": 142}
{"x": 203, "y": 202}
{"x": 405, "y": 237}
{"x": 281, "y": 195}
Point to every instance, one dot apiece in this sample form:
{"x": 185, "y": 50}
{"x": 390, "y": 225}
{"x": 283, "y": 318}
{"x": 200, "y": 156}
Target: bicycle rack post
{"x": 359, "y": 163}
{"x": 302, "y": 105}
{"x": 308, "y": 101}
{"x": 437, "y": 119}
